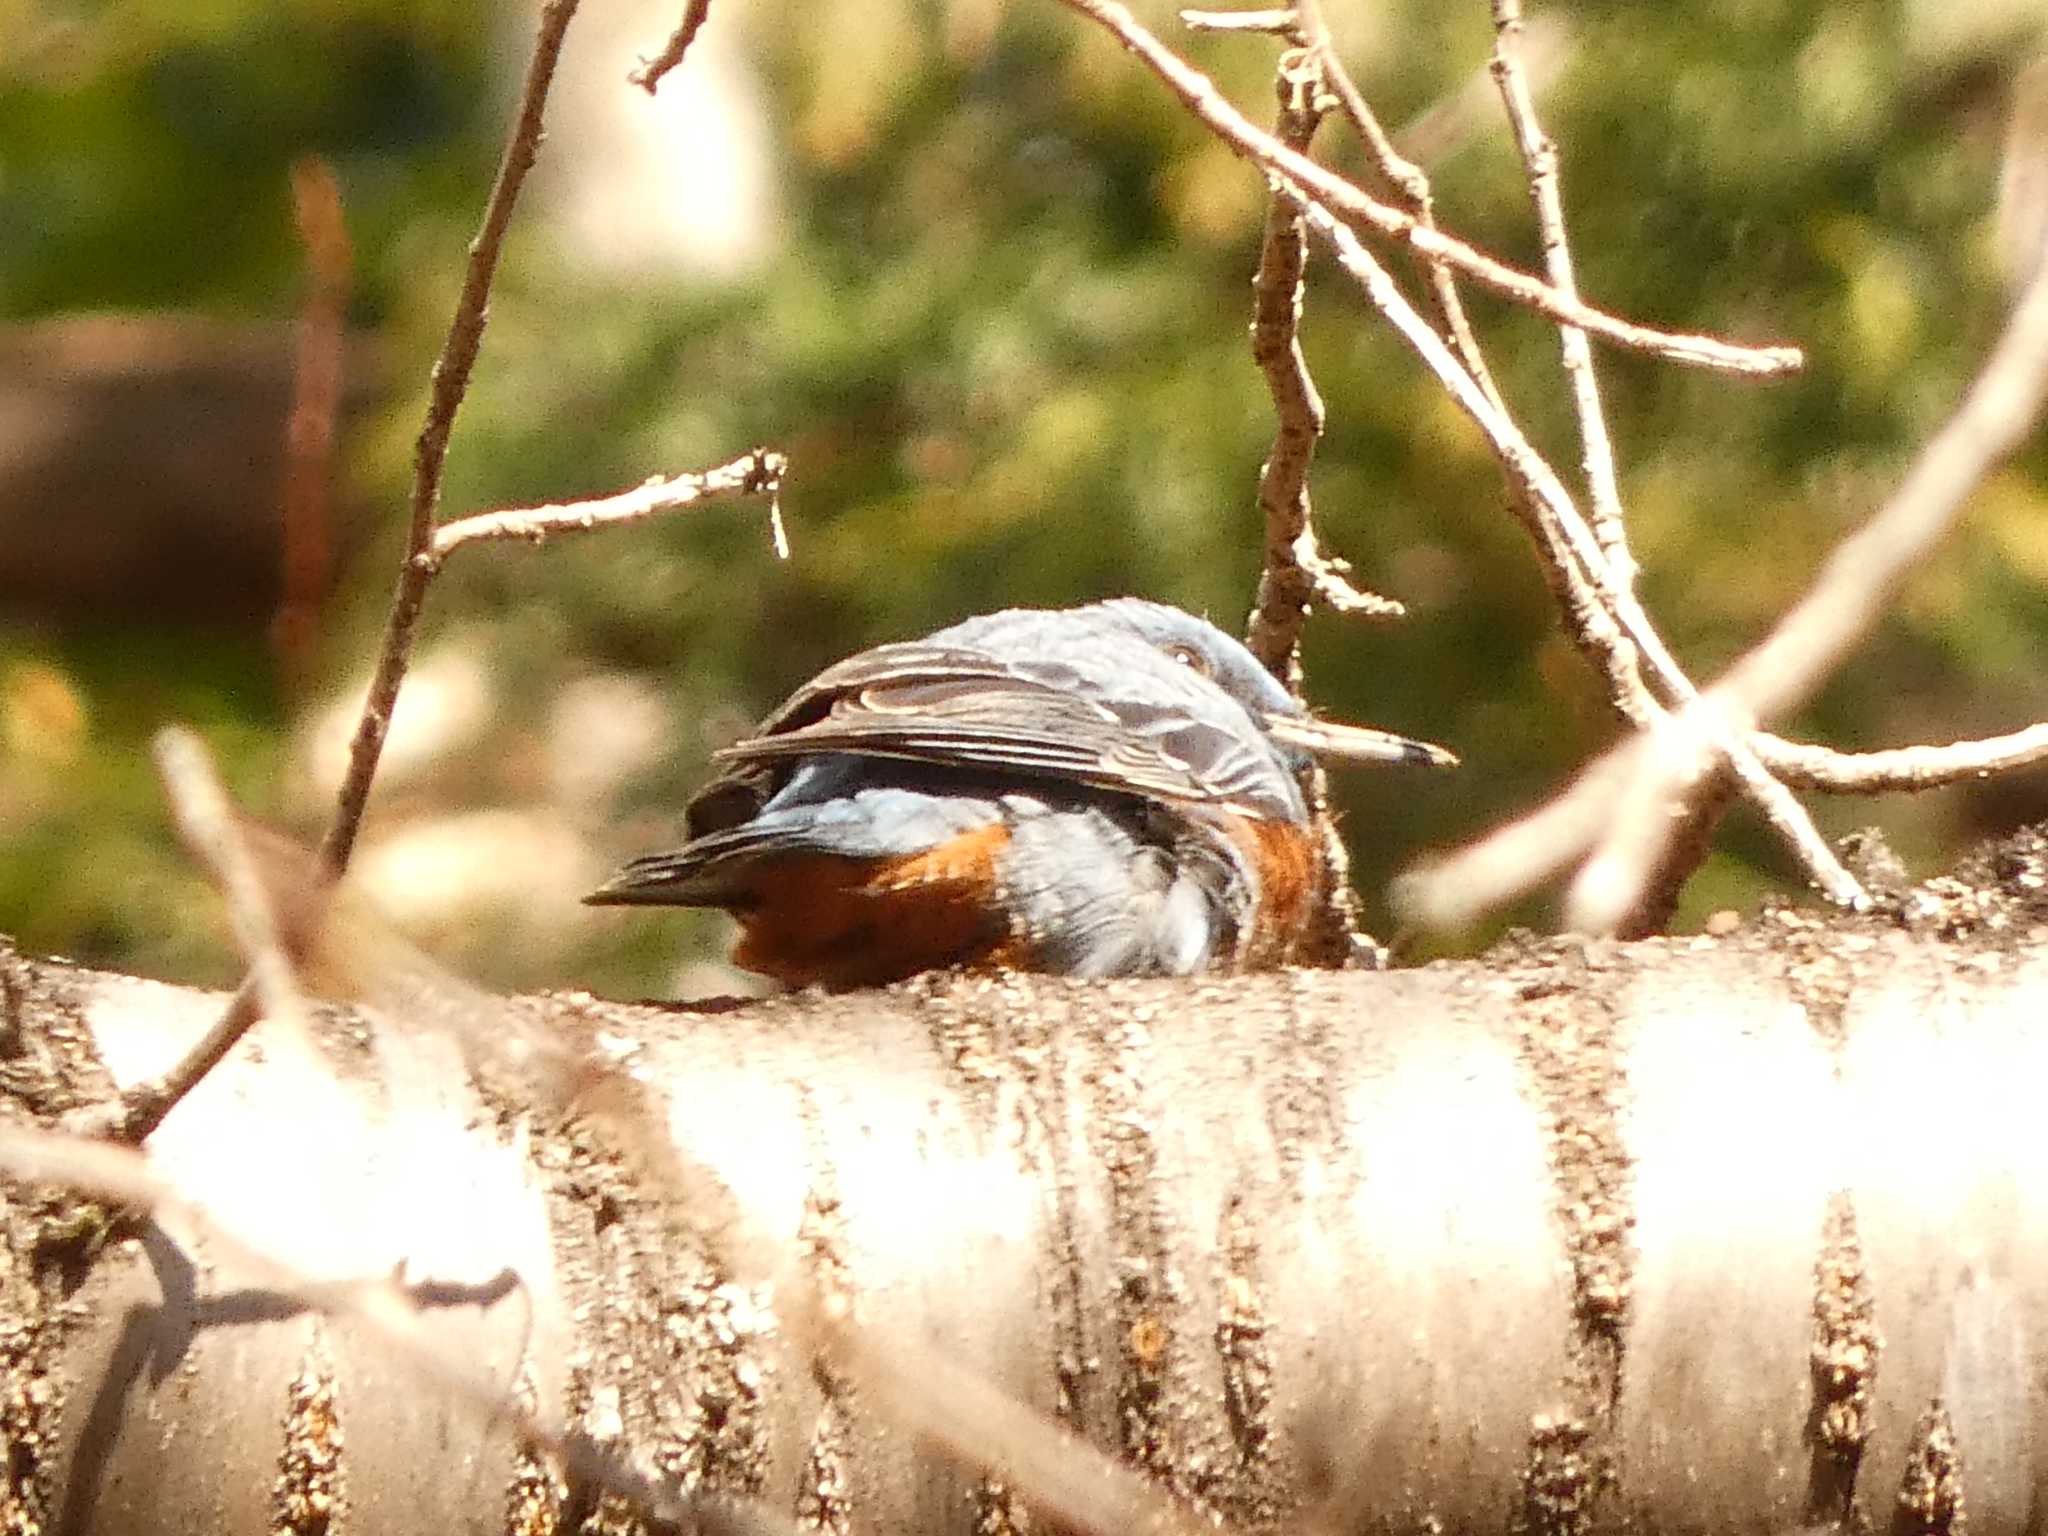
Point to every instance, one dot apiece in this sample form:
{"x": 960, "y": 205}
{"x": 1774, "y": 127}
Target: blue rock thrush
{"x": 1112, "y": 790}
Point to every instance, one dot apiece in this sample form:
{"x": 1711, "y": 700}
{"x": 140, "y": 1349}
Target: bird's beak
{"x": 653, "y": 880}
{"x": 1357, "y": 743}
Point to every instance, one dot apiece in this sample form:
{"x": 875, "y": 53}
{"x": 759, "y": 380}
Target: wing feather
{"x": 1133, "y": 725}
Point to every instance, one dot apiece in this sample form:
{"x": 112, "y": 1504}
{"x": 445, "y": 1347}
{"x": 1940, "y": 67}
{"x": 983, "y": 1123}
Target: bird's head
{"x": 1297, "y": 735}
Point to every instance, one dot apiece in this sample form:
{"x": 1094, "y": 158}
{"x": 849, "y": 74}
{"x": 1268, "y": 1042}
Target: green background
{"x": 998, "y": 324}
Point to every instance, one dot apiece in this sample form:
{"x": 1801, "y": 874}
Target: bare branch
{"x": 1408, "y": 187}
{"x": 1202, "y": 98}
{"x": 1648, "y": 805}
{"x": 143, "y": 1107}
{"x": 1295, "y": 570}
{"x": 1706, "y": 796}
{"x": 1583, "y": 593}
{"x": 1284, "y": 587}
{"x": 1900, "y": 768}
{"x": 648, "y": 75}
{"x": 1562, "y": 535}
{"x": 1539, "y": 158}
{"x": 751, "y": 474}
{"x": 1571, "y": 556}
{"x": 1448, "y": 892}
{"x": 1994, "y": 417}
{"x": 1582, "y": 605}
{"x": 207, "y": 823}
{"x": 1846, "y": 599}
{"x": 1281, "y": 23}
{"x": 450, "y": 383}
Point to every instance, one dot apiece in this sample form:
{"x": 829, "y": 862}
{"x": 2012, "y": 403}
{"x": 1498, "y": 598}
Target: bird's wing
{"x": 1132, "y": 722}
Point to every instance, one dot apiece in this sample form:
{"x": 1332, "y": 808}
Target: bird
{"x": 1116, "y": 789}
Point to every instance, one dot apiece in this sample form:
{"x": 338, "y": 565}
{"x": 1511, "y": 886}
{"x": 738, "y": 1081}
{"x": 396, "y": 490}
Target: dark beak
{"x": 653, "y": 881}
{"x": 1357, "y": 743}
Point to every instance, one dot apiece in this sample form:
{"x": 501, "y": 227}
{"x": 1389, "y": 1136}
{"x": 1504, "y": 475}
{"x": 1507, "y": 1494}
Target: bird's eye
{"x": 1190, "y": 658}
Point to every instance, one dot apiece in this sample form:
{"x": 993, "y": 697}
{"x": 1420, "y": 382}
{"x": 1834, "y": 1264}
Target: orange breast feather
{"x": 859, "y": 922}
{"x": 1290, "y": 870}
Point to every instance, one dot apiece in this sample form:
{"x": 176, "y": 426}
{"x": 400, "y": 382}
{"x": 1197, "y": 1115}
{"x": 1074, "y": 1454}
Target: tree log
{"x": 1741, "y": 1233}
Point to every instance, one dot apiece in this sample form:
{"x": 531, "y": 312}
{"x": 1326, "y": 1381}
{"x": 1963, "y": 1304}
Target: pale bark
{"x": 1694, "y": 1235}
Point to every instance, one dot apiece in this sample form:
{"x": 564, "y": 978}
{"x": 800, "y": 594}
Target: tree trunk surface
{"x": 1747, "y": 1233}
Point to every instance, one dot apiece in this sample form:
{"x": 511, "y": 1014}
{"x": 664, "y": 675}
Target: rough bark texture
{"x": 1746, "y": 1233}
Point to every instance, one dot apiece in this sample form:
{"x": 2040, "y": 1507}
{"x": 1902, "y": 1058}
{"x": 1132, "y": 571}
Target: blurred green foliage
{"x": 1000, "y": 333}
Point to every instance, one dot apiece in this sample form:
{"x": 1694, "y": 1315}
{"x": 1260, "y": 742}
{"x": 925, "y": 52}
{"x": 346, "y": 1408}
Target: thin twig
{"x": 270, "y": 990}
{"x": 1846, "y": 599}
{"x": 1408, "y": 187}
{"x": 224, "y": 846}
{"x": 1666, "y": 785}
{"x": 1586, "y": 615}
{"x": 1295, "y": 571}
{"x": 648, "y": 75}
{"x": 207, "y": 823}
{"x": 1706, "y": 796}
{"x": 1280, "y": 23}
{"x": 316, "y": 405}
{"x": 1572, "y": 556}
{"x": 143, "y": 1107}
{"x": 758, "y": 472}
{"x": 1314, "y": 182}
{"x": 1994, "y": 417}
{"x": 1607, "y": 621}
{"x": 1900, "y": 768}
{"x": 450, "y": 383}
{"x": 1562, "y": 535}
{"x": 1539, "y": 159}
{"x": 1687, "y": 844}
{"x": 1575, "y": 589}
{"x": 1447, "y": 892}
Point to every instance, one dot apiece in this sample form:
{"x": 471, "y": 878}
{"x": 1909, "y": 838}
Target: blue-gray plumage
{"x": 1108, "y": 790}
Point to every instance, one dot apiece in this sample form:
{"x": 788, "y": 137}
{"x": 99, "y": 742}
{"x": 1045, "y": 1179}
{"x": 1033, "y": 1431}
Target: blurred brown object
{"x": 141, "y": 457}
{"x": 306, "y": 498}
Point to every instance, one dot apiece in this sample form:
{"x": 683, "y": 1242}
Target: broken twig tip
{"x": 1281, "y": 22}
